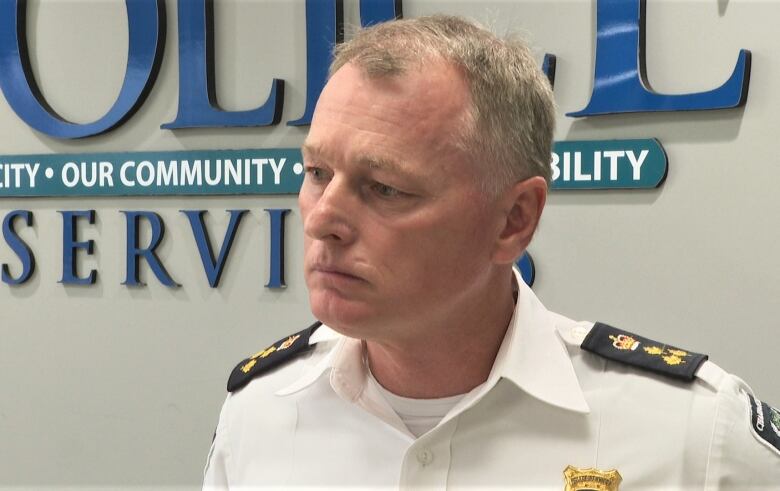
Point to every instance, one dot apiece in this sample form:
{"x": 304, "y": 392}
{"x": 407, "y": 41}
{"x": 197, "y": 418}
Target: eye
{"x": 386, "y": 191}
{"x": 316, "y": 174}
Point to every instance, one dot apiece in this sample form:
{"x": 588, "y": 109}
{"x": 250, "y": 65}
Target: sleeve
{"x": 745, "y": 452}
{"x": 215, "y": 475}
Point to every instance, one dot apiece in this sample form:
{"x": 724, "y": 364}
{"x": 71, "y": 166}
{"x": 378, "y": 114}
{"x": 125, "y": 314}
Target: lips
{"x": 335, "y": 272}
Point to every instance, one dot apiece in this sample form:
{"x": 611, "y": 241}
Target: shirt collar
{"x": 343, "y": 358}
{"x": 532, "y": 356}
{"x": 535, "y": 358}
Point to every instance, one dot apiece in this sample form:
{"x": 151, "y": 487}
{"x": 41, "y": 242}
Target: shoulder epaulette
{"x": 624, "y": 347}
{"x": 275, "y": 355}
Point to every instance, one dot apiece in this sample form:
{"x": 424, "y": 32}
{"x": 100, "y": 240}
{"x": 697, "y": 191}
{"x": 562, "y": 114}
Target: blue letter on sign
{"x": 620, "y": 82}
{"x": 324, "y": 29}
{"x": 548, "y": 67}
{"x": 276, "y": 274}
{"x": 146, "y": 24}
{"x": 135, "y": 252}
{"x": 70, "y": 246}
{"x": 19, "y": 247}
{"x": 213, "y": 267}
{"x": 527, "y": 269}
{"x": 376, "y": 11}
{"x": 197, "y": 94}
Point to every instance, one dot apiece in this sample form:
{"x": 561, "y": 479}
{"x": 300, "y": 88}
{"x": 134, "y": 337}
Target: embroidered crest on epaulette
{"x": 275, "y": 355}
{"x": 766, "y": 422}
{"x": 624, "y": 347}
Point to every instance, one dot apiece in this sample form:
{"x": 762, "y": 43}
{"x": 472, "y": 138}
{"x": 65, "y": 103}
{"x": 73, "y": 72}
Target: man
{"x": 427, "y": 166}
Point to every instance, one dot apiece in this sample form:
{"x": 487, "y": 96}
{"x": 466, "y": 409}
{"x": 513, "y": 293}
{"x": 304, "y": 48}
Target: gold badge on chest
{"x": 591, "y": 479}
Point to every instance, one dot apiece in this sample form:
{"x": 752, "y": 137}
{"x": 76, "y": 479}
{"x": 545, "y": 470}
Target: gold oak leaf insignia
{"x": 673, "y": 360}
{"x": 653, "y": 350}
{"x": 677, "y": 352}
{"x": 248, "y": 365}
{"x": 263, "y": 353}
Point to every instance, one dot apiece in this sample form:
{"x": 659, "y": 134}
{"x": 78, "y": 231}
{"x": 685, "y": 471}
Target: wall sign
{"x": 191, "y": 172}
{"x": 619, "y": 80}
{"x": 597, "y": 164}
{"x": 138, "y": 253}
{"x": 608, "y": 164}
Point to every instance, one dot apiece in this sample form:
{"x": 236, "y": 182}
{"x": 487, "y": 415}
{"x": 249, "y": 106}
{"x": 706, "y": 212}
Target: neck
{"x": 456, "y": 351}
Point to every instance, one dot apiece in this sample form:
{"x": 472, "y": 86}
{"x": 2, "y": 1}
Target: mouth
{"x": 335, "y": 273}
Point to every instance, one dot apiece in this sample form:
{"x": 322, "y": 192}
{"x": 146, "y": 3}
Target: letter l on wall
{"x": 198, "y": 105}
{"x": 620, "y": 81}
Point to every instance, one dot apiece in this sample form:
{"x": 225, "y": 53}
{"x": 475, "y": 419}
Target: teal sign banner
{"x": 190, "y": 172}
{"x": 596, "y": 164}
{"x": 608, "y": 164}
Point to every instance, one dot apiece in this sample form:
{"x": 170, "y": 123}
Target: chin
{"x": 348, "y": 317}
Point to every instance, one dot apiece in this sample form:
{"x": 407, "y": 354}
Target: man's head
{"x": 407, "y": 218}
{"x": 509, "y": 128}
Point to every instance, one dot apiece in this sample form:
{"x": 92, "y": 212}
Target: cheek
{"x": 459, "y": 242}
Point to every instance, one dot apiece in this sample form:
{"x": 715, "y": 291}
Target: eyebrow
{"x": 373, "y": 162}
{"x": 310, "y": 149}
{"x": 378, "y": 163}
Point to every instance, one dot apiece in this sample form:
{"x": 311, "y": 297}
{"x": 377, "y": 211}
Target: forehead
{"x": 422, "y": 111}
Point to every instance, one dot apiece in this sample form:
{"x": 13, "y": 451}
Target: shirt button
{"x": 579, "y": 332}
{"x": 425, "y": 456}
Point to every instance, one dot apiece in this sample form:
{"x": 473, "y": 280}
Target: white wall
{"x": 107, "y": 385}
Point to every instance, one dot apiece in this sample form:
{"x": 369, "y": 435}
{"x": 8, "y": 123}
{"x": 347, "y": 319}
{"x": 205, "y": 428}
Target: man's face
{"x": 397, "y": 231}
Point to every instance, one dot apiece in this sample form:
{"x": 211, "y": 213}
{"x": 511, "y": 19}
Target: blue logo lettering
{"x": 213, "y": 267}
{"x": 135, "y": 252}
{"x": 21, "y": 249}
{"x": 71, "y": 245}
{"x": 620, "y": 81}
{"x": 146, "y": 21}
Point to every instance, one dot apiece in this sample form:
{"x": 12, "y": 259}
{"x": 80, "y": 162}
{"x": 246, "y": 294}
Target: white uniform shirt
{"x": 546, "y": 405}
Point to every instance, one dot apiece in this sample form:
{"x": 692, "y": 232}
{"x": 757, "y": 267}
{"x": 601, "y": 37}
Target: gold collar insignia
{"x": 591, "y": 479}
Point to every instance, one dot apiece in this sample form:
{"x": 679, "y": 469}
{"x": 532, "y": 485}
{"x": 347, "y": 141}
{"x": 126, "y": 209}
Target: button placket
{"x": 424, "y": 456}
{"x": 427, "y": 461}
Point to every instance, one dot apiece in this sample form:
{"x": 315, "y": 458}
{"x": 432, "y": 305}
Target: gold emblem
{"x": 672, "y": 360}
{"x": 248, "y": 366}
{"x": 670, "y": 356}
{"x": 288, "y": 342}
{"x": 591, "y": 479}
{"x": 623, "y": 342}
{"x": 264, "y": 353}
{"x": 253, "y": 359}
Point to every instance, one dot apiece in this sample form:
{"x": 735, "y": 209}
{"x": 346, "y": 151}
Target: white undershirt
{"x": 419, "y": 415}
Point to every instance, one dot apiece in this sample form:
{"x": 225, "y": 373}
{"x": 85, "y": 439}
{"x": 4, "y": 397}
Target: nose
{"x": 329, "y": 215}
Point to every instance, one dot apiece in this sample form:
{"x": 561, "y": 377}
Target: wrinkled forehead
{"x": 416, "y": 117}
{"x": 433, "y": 98}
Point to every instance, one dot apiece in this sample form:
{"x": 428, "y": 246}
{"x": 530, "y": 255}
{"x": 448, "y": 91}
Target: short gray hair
{"x": 513, "y": 113}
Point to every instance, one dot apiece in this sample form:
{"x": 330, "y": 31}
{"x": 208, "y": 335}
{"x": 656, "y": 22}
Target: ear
{"x": 522, "y": 208}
